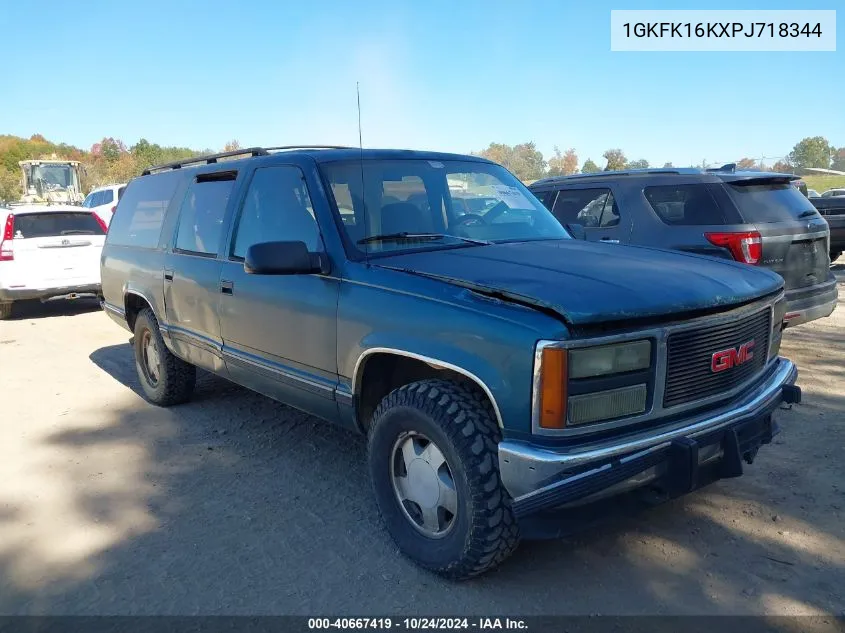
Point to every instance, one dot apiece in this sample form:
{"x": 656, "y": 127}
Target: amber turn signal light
{"x": 553, "y": 388}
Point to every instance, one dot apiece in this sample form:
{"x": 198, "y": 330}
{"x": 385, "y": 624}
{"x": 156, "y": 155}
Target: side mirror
{"x": 283, "y": 258}
{"x": 576, "y": 231}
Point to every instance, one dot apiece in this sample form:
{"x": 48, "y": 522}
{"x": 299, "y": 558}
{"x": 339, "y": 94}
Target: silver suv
{"x": 757, "y": 218}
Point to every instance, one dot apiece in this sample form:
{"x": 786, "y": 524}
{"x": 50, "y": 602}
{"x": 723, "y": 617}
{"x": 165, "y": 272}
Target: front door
{"x": 192, "y": 272}
{"x": 279, "y": 331}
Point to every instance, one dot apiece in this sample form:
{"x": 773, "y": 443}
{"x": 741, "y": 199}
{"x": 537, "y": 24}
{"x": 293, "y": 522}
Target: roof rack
{"x": 278, "y": 148}
{"x": 210, "y": 159}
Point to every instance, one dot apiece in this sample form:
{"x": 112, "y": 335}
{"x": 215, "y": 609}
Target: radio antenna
{"x": 361, "y": 162}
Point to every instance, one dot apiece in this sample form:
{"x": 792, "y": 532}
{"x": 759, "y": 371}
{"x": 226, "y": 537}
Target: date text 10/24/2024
{"x": 418, "y": 624}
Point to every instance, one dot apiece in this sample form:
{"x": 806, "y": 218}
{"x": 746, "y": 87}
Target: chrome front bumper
{"x": 540, "y": 478}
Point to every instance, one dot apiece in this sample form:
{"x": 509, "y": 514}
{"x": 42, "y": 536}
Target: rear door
{"x": 596, "y": 209}
{"x": 795, "y": 238}
{"x": 192, "y": 271}
{"x": 56, "y": 249}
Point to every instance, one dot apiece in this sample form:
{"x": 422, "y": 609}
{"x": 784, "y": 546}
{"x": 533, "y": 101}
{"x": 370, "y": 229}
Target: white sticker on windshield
{"x": 435, "y": 164}
{"x": 512, "y": 197}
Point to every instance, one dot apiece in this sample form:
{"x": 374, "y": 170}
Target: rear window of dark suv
{"x": 686, "y": 205}
{"x": 770, "y": 202}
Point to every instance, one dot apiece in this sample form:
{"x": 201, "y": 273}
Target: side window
{"x": 277, "y": 208}
{"x": 592, "y": 208}
{"x": 108, "y": 196}
{"x": 686, "y": 205}
{"x": 120, "y": 192}
{"x": 543, "y": 196}
{"x": 88, "y": 200}
{"x": 138, "y": 220}
{"x": 202, "y": 211}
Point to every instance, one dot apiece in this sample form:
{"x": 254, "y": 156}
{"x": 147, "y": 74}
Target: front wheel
{"x": 433, "y": 459}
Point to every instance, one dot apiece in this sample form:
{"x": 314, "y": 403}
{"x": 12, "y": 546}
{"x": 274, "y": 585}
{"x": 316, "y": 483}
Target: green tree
{"x": 589, "y": 167}
{"x": 524, "y": 159}
{"x": 642, "y": 163}
{"x": 811, "y": 152}
{"x": 615, "y": 160}
{"x": 10, "y": 185}
{"x": 668, "y": 165}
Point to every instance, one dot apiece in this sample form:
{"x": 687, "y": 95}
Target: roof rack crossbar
{"x": 207, "y": 159}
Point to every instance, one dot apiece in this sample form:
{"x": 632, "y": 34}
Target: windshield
{"x": 770, "y": 202}
{"x": 426, "y": 204}
{"x": 52, "y": 177}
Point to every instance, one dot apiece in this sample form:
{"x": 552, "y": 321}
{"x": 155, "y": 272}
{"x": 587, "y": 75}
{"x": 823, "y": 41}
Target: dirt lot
{"x": 235, "y": 504}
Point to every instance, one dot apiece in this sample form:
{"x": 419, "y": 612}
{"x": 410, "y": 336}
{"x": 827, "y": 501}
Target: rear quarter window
{"x": 140, "y": 214}
{"x": 56, "y": 224}
{"x": 686, "y": 205}
{"x": 765, "y": 203}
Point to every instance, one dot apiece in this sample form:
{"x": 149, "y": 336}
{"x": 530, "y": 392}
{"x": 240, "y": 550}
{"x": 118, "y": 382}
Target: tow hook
{"x": 791, "y": 394}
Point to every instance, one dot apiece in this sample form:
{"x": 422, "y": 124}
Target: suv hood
{"x": 588, "y": 283}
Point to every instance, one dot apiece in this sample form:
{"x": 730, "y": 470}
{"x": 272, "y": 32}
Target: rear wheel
{"x": 165, "y": 379}
{"x": 5, "y": 310}
{"x": 433, "y": 460}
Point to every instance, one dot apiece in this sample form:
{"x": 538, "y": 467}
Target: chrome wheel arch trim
{"x": 437, "y": 363}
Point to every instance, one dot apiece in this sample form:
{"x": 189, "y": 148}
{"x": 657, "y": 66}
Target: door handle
{"x": 227, "y": 287}
{"x": 168, "y": 275}
{"x": 609, "y": 240}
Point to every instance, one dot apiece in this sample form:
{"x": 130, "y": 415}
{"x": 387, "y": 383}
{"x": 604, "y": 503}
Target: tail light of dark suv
{"x": 745, "y": 247}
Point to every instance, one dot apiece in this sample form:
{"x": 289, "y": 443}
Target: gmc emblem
{"x": 727, "y": 358}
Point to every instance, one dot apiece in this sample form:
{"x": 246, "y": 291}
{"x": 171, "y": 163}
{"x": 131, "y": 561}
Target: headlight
{"x": 609, "y": 359}
{"x": 559, "y": 367}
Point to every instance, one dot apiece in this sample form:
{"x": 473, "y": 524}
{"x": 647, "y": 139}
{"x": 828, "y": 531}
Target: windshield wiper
{"x": 405, "y": 235}
{"x": 806, "y": 214}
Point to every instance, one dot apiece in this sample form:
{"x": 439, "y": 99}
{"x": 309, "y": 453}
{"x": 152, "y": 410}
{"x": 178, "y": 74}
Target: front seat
{"x": 401, "y": 217}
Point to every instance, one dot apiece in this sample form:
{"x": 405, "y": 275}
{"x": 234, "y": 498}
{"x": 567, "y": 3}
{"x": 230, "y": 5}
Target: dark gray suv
{"x": 758, "y": 218}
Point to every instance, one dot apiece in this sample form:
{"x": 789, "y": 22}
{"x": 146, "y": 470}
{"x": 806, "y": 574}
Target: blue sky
{"x": 448, "y": 75}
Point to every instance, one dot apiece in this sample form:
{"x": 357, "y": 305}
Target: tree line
{"x": 109, "y": 161}
{"x": 112, "y": 161}
{"x": 529, "y": 164}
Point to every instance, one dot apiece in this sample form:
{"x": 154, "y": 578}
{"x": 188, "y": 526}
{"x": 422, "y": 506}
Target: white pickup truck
{"x": 49, "y": 252}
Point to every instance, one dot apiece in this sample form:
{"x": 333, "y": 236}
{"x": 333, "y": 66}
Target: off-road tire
{"x": 5, "y": 310}
{"x": 461, "y": 422}
{"x": 178, "y": 378}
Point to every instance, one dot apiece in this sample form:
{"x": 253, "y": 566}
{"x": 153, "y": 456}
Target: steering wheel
{"x": 495, "y": 211}
{"x": 470, "y": 218}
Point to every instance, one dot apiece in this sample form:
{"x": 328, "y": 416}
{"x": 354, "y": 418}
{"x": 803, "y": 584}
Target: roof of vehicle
{"x": 43, "y": 208}
{"x": 110, "y": 186}
{"x": 834, "y": 189}
{"x": 726, "y": 173}
{"x": 321, "y": 154}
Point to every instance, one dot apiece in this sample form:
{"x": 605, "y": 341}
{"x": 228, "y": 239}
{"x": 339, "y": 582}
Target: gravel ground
{"x": 236, "y": 504}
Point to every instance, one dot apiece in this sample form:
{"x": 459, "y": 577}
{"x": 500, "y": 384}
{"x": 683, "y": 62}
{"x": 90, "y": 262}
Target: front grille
{"x": 689, "y": 357}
